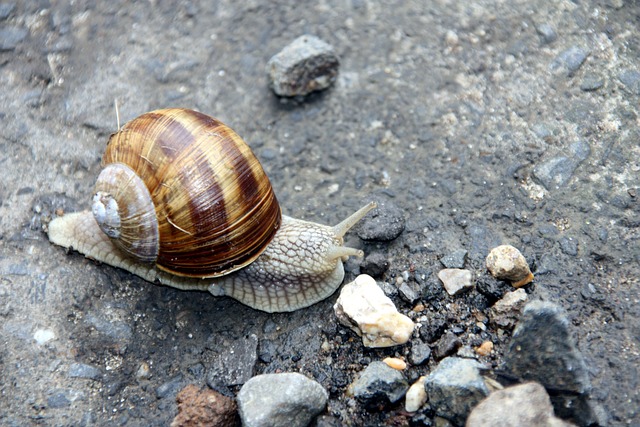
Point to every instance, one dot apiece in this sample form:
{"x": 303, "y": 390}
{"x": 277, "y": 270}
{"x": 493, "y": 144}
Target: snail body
{"x": 182, "y": 201}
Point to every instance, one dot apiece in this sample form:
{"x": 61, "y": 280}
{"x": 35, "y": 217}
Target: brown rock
{"x": 204, "y": 408}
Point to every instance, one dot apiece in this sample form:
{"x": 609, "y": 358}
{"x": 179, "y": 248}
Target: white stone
{"x": 507, "y": 263}
{"x": 416, "y": 396}
{"x": 456, "y": 280}
{"x": 363, "y": 307}
{"x": 43, "y": 336}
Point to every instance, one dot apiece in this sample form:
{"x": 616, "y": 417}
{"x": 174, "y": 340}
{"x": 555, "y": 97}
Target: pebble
{"x": 143, "y": 372}
{"x": 384, "y": 223}
{"x": 547, "y": 33}
{"x": 568, "y": 246}
{"x": 523, "y": 405}
{"x": 284, "y": 399}
{"x": 454, "y": 259}
{"x": 447, "y": 345}
{"x": 203, "y": 408}
{"x": 374, "y": 264}
{"x": 81, "y": 370}
{"x": 506, "y": 312}
{"x": 507, "y": 263}
{"x": 169, "y": 388}
{"x": 11, "y": 36}
{"x": 630, "y": 78}
{"x": 395, "y": 363}
{"x": 557, "y": 171}
{"x": 570, "y": 60}
{"x": 420, "y": 352}
{"x": 416, "y": 395}
{"x": 363, "y": 307}
{"x": 456, "y": 280}
{"x": 591, "y": 82}
{"x": 542, "y": 349}
{"x": 485, "y": 348}
{"x": 235, "y": 361}
{"x": 455, "y": 387}
{"x": 408, "y": 293}
{"x": 492, "y": 288}
{"x": 378, "y": 385}
{"x": 305, "y": 65}
{"x": 43, "y": 336}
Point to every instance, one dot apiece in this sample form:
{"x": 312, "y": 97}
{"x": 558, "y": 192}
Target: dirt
{"x": 457, "y": 113}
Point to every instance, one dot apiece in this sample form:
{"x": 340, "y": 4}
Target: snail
{"x": 183, "y": 201}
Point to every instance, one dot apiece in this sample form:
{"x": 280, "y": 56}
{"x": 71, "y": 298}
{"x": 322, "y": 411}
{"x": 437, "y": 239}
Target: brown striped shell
{"x": 182, "y": 190}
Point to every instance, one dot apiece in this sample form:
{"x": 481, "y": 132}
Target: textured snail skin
{"x": 301, "y": 266}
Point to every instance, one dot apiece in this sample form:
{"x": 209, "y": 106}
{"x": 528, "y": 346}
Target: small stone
{"x": 557, "y": 171}
{"x": 408, "y": 293}
{"x": 523, "y": 405}
{"x": 420, "y": 352}
{"x": 384, "y": 223}
{"x": 454, "y": 259}
{"x": 169, "y": 388}
{"x": 416, "y": 395}
{"x": 591, "y": 82}
{"x": 568, "y": 246}
{"x": 235, "y": 361}
{"x": 491, "y": 288}
{"x": 547, "y": 33}
{"x": 543, "y": 350}
{"x": 456, "y": 280}
{"x": 447, "y": 345}
{"x": 507, "y": 263}
{"x": 363, "y": 307}
{"x": 395, "y": 363}
{"x": 143, "y": 372}
{"x": 374, "y": 264}
{"x": 80, "y": 370}
{"x": 43, "y": 336}
{"x": 455, "y": 387}
{"x": 485, "y": 348}
{"x": 305, "y": 65}
{"x": 506, "y": 312}
{"x": 378, "y": 384}
{"x": 281, "y": 400}
{"x": 630, "y": 78}
{"x": 569, "y": 60}
{"x": 203, "y": 408}
{"x": 11, "y": 36}
{"x": 58, "y": 400}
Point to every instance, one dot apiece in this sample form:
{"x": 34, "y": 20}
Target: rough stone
{"x": 374, "y": 264}
{"x": 416, "y": 395}
{"x": 542, "y": 349}
{"x": 281, "y": 400}
{"x": 569, "y": 60}
{"x": 524, "y": 405}
{"x": 384, "y": 223}
{"x": 454, "y": 259}
{"x": 507, "y": 263}
{"x": 363, "y": 307}
{"x": 455, "y": 387}
{"x": 506, "y": 312}
{"x": 235, "y": 362}
{"x": 557, "y": 171}
{"x": 170, "y": 387}
{"x": 378, "y": 385}
{"x": 547, "y": 33}
{"x": 447, "y": 345}
{"x": 420, "y": 352}
{"x": 80, "y": 370}
{"x": 305, "y": 65}
{"x": 456, "y": 280}
{"x": 206, "y": 407}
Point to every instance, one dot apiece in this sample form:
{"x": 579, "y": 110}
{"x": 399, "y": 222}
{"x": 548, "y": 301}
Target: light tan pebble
{"x": 363, "y": 307}
{"x": 418, "y": 308}
{"x": 395, "y": 363}
{"x": 507, "y": 263}
{"x": 416, "y": 395}
{"x": 456, "y": 280}
{"x": 485, "y": 348}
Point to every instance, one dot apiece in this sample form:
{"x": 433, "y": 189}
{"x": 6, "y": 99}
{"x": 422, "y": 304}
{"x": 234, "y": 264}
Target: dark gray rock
{"x": 433, "y": 329}
{"x": 169, "y": 388}
{"x": 547, "y": 33}
{"x": 455, "y": 387}
{"x": 408, "y": 292}
{"x": 420, "y": 352}
{"x": 454, "y": 259}
{"x": 447, "y": 345}
{"x": 58, "y": 400}
{"x": 557, "y": 171}
{"x": 374, "y": 264}
{"x": 80, "y": 370}
{"x": 542, "y": 349}
{"x": 11, "y": 36}
{"x": 306, "y": 65}
{"x": 630, "y": 78}
{"x": 287, "y": 400}
{"x": 568, "y": 245}
{"x": 385, "y": 223}
{"x": 378, "y": 385}
{"x": 569, "y": 60}
{"x": 235, "y": 361}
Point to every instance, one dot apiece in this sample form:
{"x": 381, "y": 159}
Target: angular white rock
{"x": 456, "y": 280}
{"x": 416, "y": 395}
{"x": 363, "y": 307}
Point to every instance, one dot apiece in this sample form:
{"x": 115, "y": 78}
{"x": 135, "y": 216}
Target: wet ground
{"x": 485, "y": 122}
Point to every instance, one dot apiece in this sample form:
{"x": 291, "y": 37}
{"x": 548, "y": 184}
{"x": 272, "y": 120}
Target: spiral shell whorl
{"x": 215, "y": 208}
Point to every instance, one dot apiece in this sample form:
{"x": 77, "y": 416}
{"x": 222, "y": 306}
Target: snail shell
{"x": 183, "y": 201}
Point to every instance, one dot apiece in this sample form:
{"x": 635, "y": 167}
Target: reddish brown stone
{"x": 204, "y": 408}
